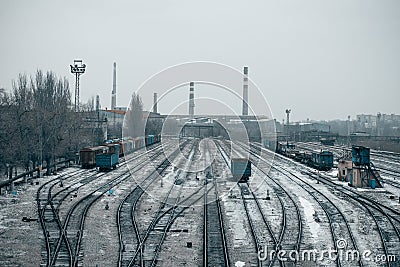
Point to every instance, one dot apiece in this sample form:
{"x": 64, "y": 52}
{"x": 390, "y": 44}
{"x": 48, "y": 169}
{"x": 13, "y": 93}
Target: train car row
{"x": 106, "y": 156}
{"x": 320, "y": 160}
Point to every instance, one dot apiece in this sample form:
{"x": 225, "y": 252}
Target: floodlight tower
{"x": 78, "y": 68}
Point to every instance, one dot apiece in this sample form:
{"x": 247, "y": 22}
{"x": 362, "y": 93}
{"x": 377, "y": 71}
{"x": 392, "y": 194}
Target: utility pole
{"x": 78, "y": 68}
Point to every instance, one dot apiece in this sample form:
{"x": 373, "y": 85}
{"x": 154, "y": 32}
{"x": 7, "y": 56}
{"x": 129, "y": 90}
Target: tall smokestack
{"x": 114, "y": 91}
{"x": 191, "y": 100}
{"x": 155, "y": 103}
{"x": 97, "y": 102}
{"x": 245, "y": 110}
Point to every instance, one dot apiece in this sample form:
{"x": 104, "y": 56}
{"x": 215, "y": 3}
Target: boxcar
{"x": 302, "y": 156}
{"x": 108, "y": 161}
{"x": 87, "y": 156}
{"x": 149, "y": 140}
{"x": 139, "y": 142}
{"x": 114, "y": 148}
{"x": 131, "y": 145}
{"x": 322, "y": 160}
{"x": 241, "y": 169}
{"x": 124, "y": 147}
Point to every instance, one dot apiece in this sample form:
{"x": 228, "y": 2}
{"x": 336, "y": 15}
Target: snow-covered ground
{"x": 22, "y": 242}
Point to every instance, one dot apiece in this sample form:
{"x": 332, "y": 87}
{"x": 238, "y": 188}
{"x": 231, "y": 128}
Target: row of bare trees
{"x": 37, "y": 123}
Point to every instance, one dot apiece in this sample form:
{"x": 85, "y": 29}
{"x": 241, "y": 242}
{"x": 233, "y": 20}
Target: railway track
{"x": 215, "y": 250}
{"x": 390, "y": 164}
{"x": 75, "y": 218}
{"x": 65, "y": 251}
{"x": 49, "y": 219}
{"x": 153, "y": 238}
{"x": 260, "y": 228}
{"x": 263, "y": 236}
{"x": 339, "y": 226}
{"x": 171, "y": 208}
{"x": 63, "y": 238}
{"x": 388, "y": 232}
{"x": 327, "y": 180}
{"x": 387, "y": 219}
{"x": 128, "y": 230}
{"x": 290, "y": 236}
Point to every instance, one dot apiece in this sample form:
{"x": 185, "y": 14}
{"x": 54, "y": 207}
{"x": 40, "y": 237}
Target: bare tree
{"x": 37, "y": 123}
{"x": 23, "y": 118}
{"x": 51, "y": 99}
{"x": 7, "y": 127}
{"x": 134, "y": 125}
{"x": 89, "y": 106}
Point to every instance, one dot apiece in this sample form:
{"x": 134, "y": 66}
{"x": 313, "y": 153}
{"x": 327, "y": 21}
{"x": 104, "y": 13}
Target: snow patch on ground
{"x": 332, "y": 173}
{"x": 239, "y": 264}
{"x": 309, "y": 212}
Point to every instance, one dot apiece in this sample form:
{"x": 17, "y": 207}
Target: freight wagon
{"x": 322, "y": 160}
{"x": 287, "y": 149}
{"x": 125, "y": 147}
{"x": 108, "y": 161}
{"x": 139, "y": 142}
{"x": 149, "y": 140}
{"x": 241, "y": 169}
{"x": 87, "y": 156}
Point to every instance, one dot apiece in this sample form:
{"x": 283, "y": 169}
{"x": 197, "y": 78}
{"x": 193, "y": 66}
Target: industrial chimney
{"x": 97, "y": 102}
{"x": 245, "y": 110}
{"x": 287, "y": 123}
{"x": 191, "y": 100}
{"x": 114, "y": 91}
{"x": 155, "y": 103}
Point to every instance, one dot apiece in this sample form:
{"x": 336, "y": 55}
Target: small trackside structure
{"x": 359, "y": 171}
{"x": 241, "y": 169}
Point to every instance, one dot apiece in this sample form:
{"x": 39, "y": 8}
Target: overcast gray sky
{"x": 322, "y": 59}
